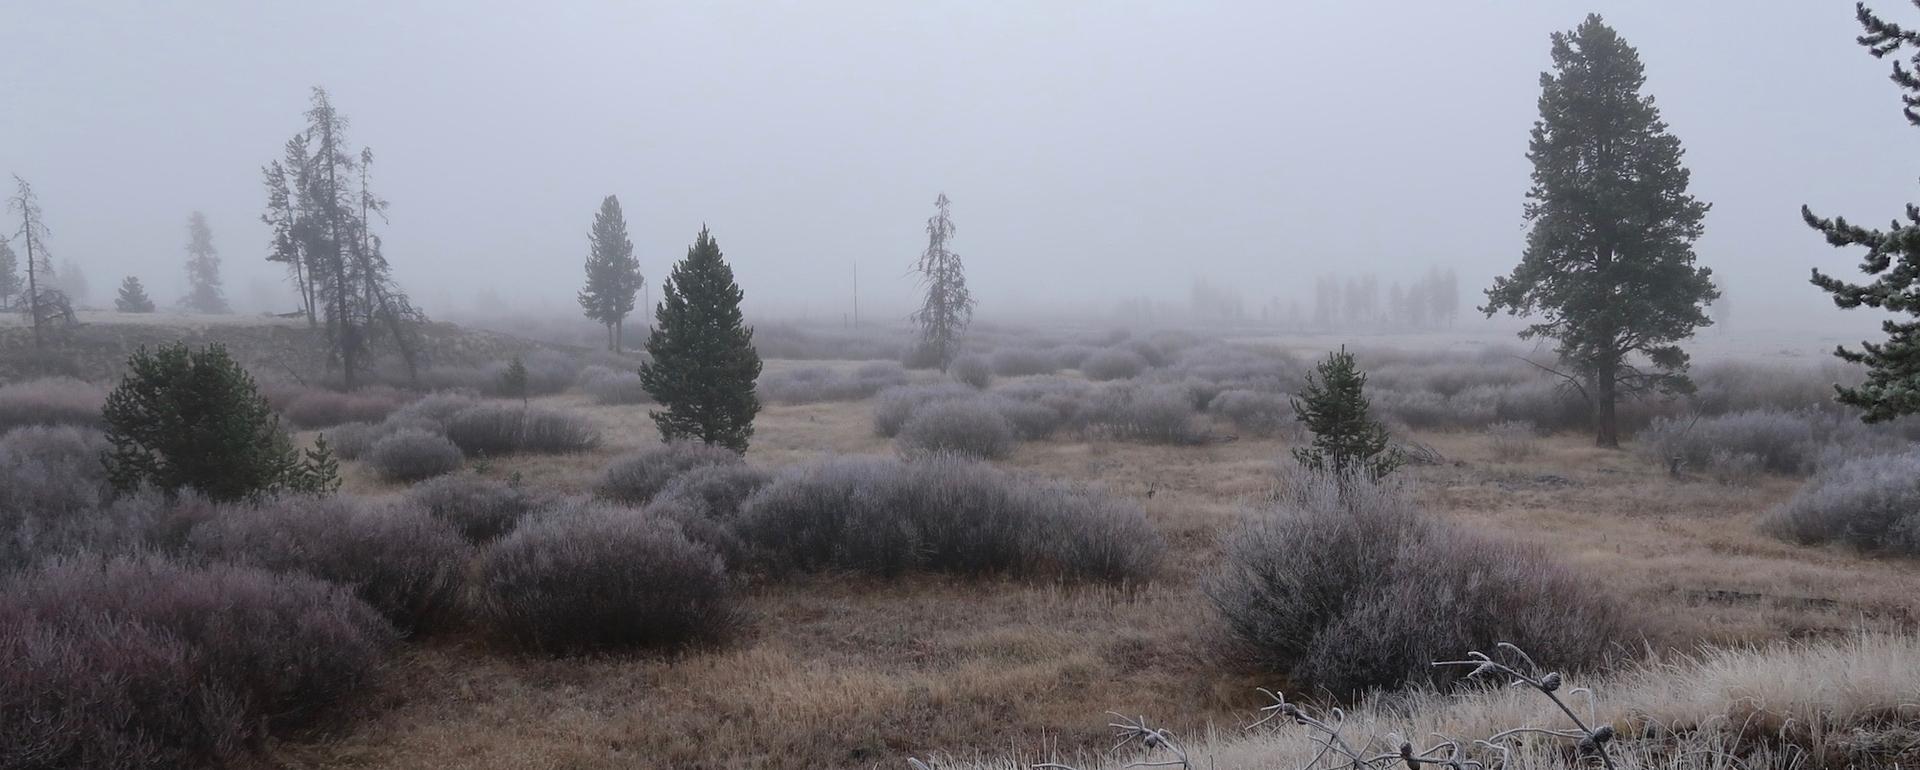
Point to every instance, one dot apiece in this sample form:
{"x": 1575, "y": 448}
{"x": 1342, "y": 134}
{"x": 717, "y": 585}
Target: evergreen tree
{"x": 12, "y": 286}
{"x": 948, "y": 308}
{"x": 133, "y": 297}
{"x": 513, "y": 381}
{"x": 203, "y": 269}
{"x": 1346, "y": 441}
{"x": 324, "y": 233}
{"x": 184, "y": 418}
{"x": 1892, "y": 387}
{"x": 613, "y": 275}
{"x": 1609, "y": 264}
{"x": 704, "y": 364}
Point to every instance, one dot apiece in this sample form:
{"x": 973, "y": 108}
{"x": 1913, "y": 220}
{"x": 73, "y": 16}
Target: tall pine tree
{"x": 1609, "y": 265}
{"x": 204, "y": 294}
{"x": 133, "y": 297}
{"x": 948, "y": 306}
{"x": 41, "y": 302}
{"x": 704, "y": 364}
{"x": 1892, "y": 387}
{"x": 1333, "y": 406}
{"x": 613, "y": 275}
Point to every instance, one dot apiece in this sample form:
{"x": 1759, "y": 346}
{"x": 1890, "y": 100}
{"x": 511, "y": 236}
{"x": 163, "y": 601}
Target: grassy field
{"x": 844, "y": 671}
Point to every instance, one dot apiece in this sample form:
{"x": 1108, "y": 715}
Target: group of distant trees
{"x": 1430, "y": 301}
{"x": 48, "y": 296}
{"x": 322, "y": 211}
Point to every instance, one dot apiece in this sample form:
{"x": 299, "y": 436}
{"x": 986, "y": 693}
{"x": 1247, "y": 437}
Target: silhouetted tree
{"x": 703, "y": 363}
{"x": 513, "y": 381}
{"x": 12, "y": 286}
{"x": 286, "y": 214}
{"x": 332, "y": 243}
{"x": 133, "y": 297}
{"x": 203, "y": 269}
{"x": 1892, "y": 387}
{"x": 42, "y": 304}
{"x": 1609, "y": 264}
{"x": 613, "y": 275}
{"x": 948, "y": 308}
{"x": 1333, "y": 406}
{"x": 184, "y": 418}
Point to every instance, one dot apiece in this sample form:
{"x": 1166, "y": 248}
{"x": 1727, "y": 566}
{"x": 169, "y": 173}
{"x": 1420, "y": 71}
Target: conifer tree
{"x": 1609, "y": 264}
{"x": 133, "y": 297}
{"x": 72, "y": 281}
{"x": 613, "y": 275}
{"x": 12, "y": 286}
{"x": 203, "y": 269}
{"x": 703, "y": 363}
{"x": 184, "y": 418}
{"x": 948, "y": 308}
{"x": 513, "y": 381}
{"x": 1346, "y": 440}
{"x": 1892, "y": 387}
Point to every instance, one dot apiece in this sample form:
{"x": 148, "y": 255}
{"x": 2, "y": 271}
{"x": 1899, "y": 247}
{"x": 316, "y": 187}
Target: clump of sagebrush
{"x": 481, "y": 508}
{"x": 716, "y": 490}
{"x": 971, "y": 427}
{"x": 588, "y": 575}
{"x": 141, "y": 662}
{"x": 184, "y": 418}
{"x": 1870, "y": 503}
{"x": 319, "y": 407}
{"x": 1155, "y": 414}
{"x": 1777, "y": 442}
{"x": 1112, "y": 364}
{"x": 636, "y": 478}
{"x": 499, "y": 429}
{"x": 1346, "y": 585}
{"x": 972, "y": 370}
{"x": 818, "y": 383}
{"x": 1257, "y": 413}
{"x": 895, "y": 406}
{"x": 943, "y": 514}
{"x": 1346, "y": 440}
{"x": 704, "y": 364}
{"x": 608, "y": 386}
{"x": 1513, "y": 441}
{"x": 1018, "y": 362}
{"x": 412, "y": 454}
{"x": 50, "y": 401}
{"x": 393, "y": 555}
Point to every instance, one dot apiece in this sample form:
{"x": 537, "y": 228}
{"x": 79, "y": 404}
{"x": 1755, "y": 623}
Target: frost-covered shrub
{"x": 499, "y": 429}
{"x": 320, "y": 408}
{"x": 717, "y": 490}
{"x": 1783, "y": 442}
{"x": 1513, "y": 441}
{"x": 943, "y": 514}
{"x": 1070, "y": 356}
{"x": 815, "y": 384}
{"x": 1871, "y": 503}
{"x": 636, "y": 478}
{"x": 52, "y": 470}
{"x": 1260, "y": 414}
{"x": 393, "y": 555}
{"x": 51, "y": 401}
{"x": 1152, "y": 414}
{"x": 1350, "y": 587}
{"x": 1112, "y": 364}
{"x": 141, "y": 662}
{"x": 1021, "y": 362}
{"x": 548, "y": 373}
{"x": 895, "y": 406}
{"x": 588, "y": 575}
{"x": 1031, "y": 420}
{"x": 435, "y": 409}
{"x": 608, "y": 386}
{"x": 480, "y": 508}
{"x": 972, "y": 370}
{"x": 970, "y": 427}
{"x": 412, "y": 454}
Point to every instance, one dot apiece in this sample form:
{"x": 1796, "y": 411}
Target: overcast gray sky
{"x": 1092, "y": 149}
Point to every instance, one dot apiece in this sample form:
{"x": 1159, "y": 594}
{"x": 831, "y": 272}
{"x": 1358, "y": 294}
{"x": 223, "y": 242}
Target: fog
{"x": 1093, "y": 151}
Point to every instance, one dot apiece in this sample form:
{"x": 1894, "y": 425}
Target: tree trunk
{"x": 33, "y": 279}
{"x": 1606, "y": 423}
{"x": 609, "y": 336}
{"x": 619, "y": 334}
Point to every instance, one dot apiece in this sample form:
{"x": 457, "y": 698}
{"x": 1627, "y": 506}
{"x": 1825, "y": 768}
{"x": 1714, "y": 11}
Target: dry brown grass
{"x": 844, "y": 672}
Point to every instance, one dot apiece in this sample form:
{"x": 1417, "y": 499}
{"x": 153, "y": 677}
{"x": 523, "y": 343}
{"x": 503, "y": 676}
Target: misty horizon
{"x": 1093, "y": 154}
